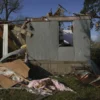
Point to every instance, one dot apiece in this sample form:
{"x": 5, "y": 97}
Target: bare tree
{"x": 9, "y": 6}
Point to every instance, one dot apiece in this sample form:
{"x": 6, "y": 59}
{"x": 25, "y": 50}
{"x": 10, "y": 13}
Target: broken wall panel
{"x": 66, "y": 54}
{"x": 44, "y": 43}
{"x": 81, "y": 39}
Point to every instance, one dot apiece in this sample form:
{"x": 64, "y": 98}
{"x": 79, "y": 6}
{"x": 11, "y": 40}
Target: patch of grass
{"x": 84, "y": 92}
{"x": 16, "y": 95}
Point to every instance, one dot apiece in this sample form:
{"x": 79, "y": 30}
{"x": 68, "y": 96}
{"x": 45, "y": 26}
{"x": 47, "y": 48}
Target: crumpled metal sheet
{"x": 96, "y": 82}
{"x": 16, "y": 52}
{"x": 89, "y": 75}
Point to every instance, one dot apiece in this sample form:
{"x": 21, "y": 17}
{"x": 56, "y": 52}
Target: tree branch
{"x": 9, "y": 6}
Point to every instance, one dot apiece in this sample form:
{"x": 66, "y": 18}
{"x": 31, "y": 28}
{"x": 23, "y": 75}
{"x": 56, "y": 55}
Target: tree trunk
{"x": 6, "y": 10}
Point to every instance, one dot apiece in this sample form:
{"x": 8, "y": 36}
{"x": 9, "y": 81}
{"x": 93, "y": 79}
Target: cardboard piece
{"x": 18, "y": 67}
{"x": 5, "y": 82}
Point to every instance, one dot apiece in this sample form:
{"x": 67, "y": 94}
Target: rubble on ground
{"x": 14, "y": 70}
{"x": 88, "y": 74}
{"x": 47, "y": 86}
{"x": 15, "y": 73}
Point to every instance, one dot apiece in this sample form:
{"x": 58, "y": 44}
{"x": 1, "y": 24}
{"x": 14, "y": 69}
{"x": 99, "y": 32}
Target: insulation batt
{"x": 47, "y": 86}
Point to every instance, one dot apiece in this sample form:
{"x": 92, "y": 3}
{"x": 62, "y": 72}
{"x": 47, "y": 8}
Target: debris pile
{"x": 89, "y": 74}
{"x": 15, "y": 73}
{"x": 12, "y": 73}
{"x": 13, "y": 70}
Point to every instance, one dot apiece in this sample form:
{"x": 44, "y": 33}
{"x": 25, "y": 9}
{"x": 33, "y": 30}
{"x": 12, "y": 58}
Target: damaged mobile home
{"x": 55, "y": 48}
{"x": 56, "y": 52}
{"x": 41, "y": 47}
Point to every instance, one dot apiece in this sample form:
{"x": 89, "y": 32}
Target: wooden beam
{"x": 63, "y": 18}
{"x": 54, "y": 18}
{"x": 68, "y": 18}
